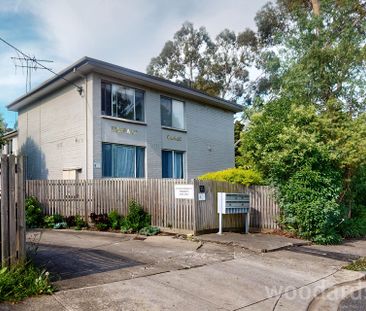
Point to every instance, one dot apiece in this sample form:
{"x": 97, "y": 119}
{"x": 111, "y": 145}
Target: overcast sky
{"x": 124, "y": 32}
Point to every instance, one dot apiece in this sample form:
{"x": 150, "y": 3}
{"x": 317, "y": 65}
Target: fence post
{"x": 20, "y": 184}
{"x": 12, "y": 235}
{"x": 5, "y": 252}
{"x": 12, "y": 210}
{"x": 85, "y": 185}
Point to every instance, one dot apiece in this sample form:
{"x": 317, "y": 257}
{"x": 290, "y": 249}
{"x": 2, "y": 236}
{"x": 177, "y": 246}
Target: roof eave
{"x": 92, "y": 65}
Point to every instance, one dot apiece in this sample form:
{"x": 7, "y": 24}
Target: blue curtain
{"x": 167, "y": 164}
{"x": 178, "y": 164}
{"x": 140, "y": 162}
{"x": 107, "y": 160}
{"x": 123, "y": 161}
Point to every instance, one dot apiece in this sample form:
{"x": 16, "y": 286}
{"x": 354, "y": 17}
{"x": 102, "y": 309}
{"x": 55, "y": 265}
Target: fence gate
{"x": 12, "y": 217}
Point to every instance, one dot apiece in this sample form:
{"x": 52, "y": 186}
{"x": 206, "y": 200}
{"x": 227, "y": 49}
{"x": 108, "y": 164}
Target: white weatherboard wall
{"x": 52, "y": 134}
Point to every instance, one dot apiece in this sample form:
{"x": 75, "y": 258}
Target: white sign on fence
{"x": 184, "y": 191}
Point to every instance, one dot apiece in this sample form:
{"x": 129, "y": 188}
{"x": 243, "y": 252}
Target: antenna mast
{"x": 29, "y": 64}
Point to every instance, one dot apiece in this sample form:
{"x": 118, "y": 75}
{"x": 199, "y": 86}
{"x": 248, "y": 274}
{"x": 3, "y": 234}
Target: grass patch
{"x": 23, "y": 280}
{"x": 358, "y": 265}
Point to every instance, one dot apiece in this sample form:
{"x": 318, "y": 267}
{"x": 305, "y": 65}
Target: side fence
{"x": 264, "y": 210}
{"x": 157, "y": 197}
{"x": 12, "y": 219}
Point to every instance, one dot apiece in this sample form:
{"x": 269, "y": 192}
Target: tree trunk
{"x": 316, "y": 7}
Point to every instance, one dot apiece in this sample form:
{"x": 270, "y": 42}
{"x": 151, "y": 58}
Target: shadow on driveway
{"x": 65, "y": 262}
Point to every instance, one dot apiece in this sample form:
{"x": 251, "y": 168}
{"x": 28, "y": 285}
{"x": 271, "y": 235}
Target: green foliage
{"x": 33, "y": 213}
{"x": 355, "y": 227}
{"x": 115, "y": 220}
{"x": 218, "y": 67}
{"x": 53, "y": 220}
{"x": 70, "y": 221}
{"x": 358, "y": 265}
{"x": 307, "y": 118}
{"x": 309, "y": 206}
{"x": 23, "y": 280}
{"x": 136, "y": 218}
{"x": 150, "y": 230}
{"x": 235, "y": 176}
{"x": 101, "y": 221}
{"x": 48, "y": 221}
{"x": 60, "y": 225}
{"x": 102, "y": 226}
{"x": 80, "y": 223}
{"x": 238, "y": 129}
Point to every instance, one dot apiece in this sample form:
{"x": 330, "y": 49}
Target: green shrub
{"x": 23, "y": 280}
{"x": 356, "y": 226}
{"x": 58, "y": 218}
{"x": 70, "y": 221}
{"x": 102, "y": 226}
{"x": 100, "y": 221}
{"x": 80, "y": 223}
{"x": 136, "y": 218}
{"x": 150, "y": 230}
{"x": 48, "y": 221}
{"x": 125, "y": 229}
{"x": 51, "y": 221}
{"x": 235, "y": 176}
{"x": 115, "y": 220}
{"x": 33, "y": 213}
{"x": 60, "y": 225}
{"x": 310, "y": 207}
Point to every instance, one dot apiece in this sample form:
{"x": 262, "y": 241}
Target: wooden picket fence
{"x": 12, "y": 217}
{"x": 157, "y": 196}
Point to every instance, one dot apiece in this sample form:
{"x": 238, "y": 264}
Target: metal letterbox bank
{"x": 233, "y": 203}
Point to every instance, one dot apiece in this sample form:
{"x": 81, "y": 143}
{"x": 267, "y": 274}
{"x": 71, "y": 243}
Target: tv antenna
{"x": 29, "y": 64}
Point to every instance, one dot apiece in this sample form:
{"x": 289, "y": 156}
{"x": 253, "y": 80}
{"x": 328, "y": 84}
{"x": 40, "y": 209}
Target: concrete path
{"x": 118, "y": 272}
{"x": 258, "y": 242}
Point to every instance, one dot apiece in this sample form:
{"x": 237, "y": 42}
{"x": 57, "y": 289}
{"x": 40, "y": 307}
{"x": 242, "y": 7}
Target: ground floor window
{"x": 123, "y": 161}
{"x": 172, "y": 163}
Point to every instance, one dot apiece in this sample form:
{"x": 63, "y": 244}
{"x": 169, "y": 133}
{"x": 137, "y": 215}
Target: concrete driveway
{"x": 103, "y": 271}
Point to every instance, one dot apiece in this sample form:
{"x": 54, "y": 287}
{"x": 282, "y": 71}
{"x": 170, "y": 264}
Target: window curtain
{"x": 140, "y": 162}
{"x": 178, "y": 114}
{"x": 123, "y": 161}
{"x": 107, "y": 160}
{"x": 167, "y": 164}
{"x": 178, "y": 164}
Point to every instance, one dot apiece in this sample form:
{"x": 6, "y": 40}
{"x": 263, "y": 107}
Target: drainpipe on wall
{"x": 86, "y": 146}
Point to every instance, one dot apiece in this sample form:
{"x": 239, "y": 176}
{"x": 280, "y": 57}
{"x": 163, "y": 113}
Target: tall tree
{"x": 217, "y": 67}
{"x": 306, "y": 132}
{"x": 185, "y": 58}
{"x": 313, "y": 51}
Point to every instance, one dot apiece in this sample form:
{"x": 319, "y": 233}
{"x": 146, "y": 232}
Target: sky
{"x": 124, "y": 32}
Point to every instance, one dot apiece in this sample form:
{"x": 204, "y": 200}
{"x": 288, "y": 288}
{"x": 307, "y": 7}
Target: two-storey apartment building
{"x": 95, "y": 119}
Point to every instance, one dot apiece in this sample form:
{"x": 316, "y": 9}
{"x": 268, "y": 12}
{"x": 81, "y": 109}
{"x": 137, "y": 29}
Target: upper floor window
{"x": 122, "y": 102}
{"x": 172, "y": 112}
